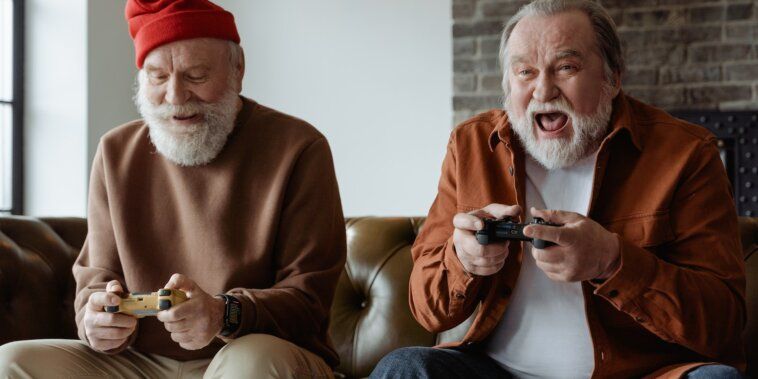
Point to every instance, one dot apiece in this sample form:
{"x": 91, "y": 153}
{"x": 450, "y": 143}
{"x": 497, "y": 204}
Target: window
{"x": 11, "y": 105}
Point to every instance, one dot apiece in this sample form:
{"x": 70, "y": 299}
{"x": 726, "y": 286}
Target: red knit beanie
{"x": 153, "y": 23}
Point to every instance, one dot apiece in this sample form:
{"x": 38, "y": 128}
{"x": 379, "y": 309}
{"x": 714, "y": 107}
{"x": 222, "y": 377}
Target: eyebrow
{"x": 560, "y": 55}
{"x": 201, "y": 66}
{"x": 569, "y": 53}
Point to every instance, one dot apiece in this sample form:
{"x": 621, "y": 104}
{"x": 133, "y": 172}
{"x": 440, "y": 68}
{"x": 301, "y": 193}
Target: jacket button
{"x": 613, "y": 293}
{"x": 507, "y": 291}
{"x": 459, "y": 296}
{"x": 510, "y": 170}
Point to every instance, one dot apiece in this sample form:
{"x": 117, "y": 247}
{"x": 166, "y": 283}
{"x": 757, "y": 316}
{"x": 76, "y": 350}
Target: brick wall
{"x": 680, "y": 54}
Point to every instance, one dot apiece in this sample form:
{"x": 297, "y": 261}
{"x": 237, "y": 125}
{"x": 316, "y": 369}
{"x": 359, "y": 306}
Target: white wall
{"x": 111, "y": 71}
{"x": 373, "y": 76}
{"x": 79, "y": 75}
{"x": 56, "y": 111}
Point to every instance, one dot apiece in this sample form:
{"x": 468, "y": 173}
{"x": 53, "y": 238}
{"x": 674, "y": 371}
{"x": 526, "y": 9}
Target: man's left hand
{"x": 583, "y": 249}
{"x": 195, "y": 322}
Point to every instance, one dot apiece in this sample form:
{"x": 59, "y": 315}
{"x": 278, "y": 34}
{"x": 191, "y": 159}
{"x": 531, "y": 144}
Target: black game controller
{"x": 505, "y": 229}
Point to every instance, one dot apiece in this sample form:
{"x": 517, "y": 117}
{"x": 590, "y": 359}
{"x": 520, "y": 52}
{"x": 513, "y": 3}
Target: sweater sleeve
{"x": 309, "y": 255}
{"x": 98, "y": 263}
{"x": 441, "y": 293}
{"x": 697, "y": 280}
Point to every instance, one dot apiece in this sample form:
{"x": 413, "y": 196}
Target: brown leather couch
{"x": 370, "y": 315}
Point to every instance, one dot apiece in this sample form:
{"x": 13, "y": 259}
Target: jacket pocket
{"x": 644, "y": 230}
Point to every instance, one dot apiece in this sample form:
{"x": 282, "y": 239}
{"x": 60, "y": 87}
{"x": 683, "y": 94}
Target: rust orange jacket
{"x": 678, "y": 297}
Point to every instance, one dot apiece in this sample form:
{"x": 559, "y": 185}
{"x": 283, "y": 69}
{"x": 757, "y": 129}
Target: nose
{"x": 545, "y": 89}
{"x": 176, "y": 92}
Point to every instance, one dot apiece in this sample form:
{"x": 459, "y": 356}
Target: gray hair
{"x": 236, "y": 55}
{"x": 605, "y": 30}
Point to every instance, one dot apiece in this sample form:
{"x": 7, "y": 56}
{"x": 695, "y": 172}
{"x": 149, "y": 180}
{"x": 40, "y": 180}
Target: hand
{"x": 479, "y": 259}
{"x": 107, "y": 331}
{"x": 584, "y": 250}
{"x": 195, "y": 322}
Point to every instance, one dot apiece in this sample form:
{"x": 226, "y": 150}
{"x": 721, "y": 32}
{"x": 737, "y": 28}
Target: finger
{"x": 105, "y": 319}
{"x": 181, "y": 282}
{"x": 181, "y": 337}
{"x": 555, "y": 234}
{"x": 499, "y": 211}
{"x": 98, "y": 300}
{"x": 110, "y": 333}
{"x": 555, "y": 216}
{"x": 466, "y": 221}
{"x": 177, "y": 312}
{"x": 487, "y": 261}
{"x": 191, "y": 345}
{"x": 550, "y": 269}
{"x": 177, "y": 326}
{"x": 486, "y": 271}
{"x": 105, "y": 345}
{"x": 114, "y": 286}
{"x": 551, "y": 256}
{"x": 473, "y": 248}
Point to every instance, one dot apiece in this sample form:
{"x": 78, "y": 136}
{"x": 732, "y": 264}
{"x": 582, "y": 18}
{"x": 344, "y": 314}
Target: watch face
{"x": 234, "y": 313}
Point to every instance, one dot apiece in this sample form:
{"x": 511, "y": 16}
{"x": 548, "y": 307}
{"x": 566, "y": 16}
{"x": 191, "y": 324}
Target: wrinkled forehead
{"x": 186, "y": 54}
{"x": 546, "y": 37}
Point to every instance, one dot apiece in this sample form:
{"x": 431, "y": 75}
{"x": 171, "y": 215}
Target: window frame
{"x": 17, "y": 111}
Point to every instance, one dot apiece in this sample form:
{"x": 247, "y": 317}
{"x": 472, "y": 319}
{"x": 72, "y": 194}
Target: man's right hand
{"x": 479, "y": 259}
{"x": 107, "y": 331}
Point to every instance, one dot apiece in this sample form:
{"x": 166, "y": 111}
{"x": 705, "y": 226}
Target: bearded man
{"x": 213, "y": 194}
{"x": 646, "y": 275}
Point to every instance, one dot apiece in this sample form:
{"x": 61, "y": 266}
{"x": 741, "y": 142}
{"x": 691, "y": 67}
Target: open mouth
{"x": 186, "y": 117}
{"x": 551, "y": 122}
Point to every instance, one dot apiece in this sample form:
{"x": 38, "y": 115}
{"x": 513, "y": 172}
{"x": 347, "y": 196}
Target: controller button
{"x": 164, "y": 304}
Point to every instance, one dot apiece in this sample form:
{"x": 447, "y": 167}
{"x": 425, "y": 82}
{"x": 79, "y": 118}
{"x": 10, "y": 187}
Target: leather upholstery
{"x": 370, "y": 315}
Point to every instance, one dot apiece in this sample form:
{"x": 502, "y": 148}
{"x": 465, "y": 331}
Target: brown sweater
{"x": 262, "y": 221}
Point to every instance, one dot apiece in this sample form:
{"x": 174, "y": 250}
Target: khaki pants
{"x": 250, "y": 356}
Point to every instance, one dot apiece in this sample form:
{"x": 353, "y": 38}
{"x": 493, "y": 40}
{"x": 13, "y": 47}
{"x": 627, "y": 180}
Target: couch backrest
{"x": 370, "y": 315}
{"x": 36, "y": 283}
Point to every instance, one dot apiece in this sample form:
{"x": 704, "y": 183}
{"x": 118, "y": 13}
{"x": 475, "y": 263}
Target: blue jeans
{"x": 714, "y": 371}
{"x": 431, "y": 363}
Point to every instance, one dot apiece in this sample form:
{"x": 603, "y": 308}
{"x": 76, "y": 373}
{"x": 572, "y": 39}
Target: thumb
{"x": 114, "y": 286}
{"x": 555, "y": 216}
{"x": 181, "y": 282}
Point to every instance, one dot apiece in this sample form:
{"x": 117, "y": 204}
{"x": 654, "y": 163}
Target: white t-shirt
{"x": 544, "y": 332}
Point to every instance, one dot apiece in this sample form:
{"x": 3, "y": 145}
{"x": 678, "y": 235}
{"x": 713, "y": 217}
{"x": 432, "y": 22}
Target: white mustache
{"x": 167, "y": 111}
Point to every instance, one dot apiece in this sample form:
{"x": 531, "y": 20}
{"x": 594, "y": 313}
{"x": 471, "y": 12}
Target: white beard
{"x": 192, "y": 145}
{"x": 586, "y": 134}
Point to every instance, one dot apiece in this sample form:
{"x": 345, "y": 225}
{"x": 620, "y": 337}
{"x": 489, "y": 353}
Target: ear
{"x": 616, "y": 84}
{"x": 240, "y": 70}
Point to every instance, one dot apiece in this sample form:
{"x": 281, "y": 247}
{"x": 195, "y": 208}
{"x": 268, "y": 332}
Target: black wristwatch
{"x": 232, "y": 315}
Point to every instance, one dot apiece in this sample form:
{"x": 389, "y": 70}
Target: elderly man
{"x": 646, "y": 275}
{"x": 213, "y": 194}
